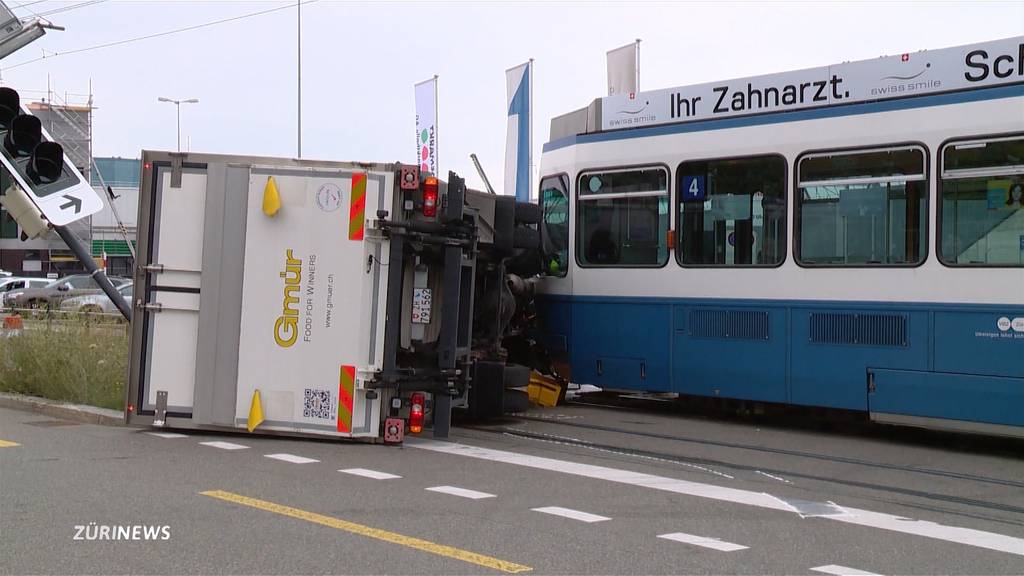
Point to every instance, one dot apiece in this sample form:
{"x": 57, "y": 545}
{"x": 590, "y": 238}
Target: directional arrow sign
{"x": 72, "y": 201}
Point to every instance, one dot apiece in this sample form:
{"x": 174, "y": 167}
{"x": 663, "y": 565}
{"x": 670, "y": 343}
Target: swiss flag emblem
{"x": 905, "y": 58}
{"x": 632, "y": 95}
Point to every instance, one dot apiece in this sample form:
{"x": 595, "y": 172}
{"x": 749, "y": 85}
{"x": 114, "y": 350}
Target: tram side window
{"x": 863, "y": 208}
{"x": 982, "y": 208}
{"x": 554, "y": 200}
{"x": 732, "y": 212}
{"x": 623, "y": 218}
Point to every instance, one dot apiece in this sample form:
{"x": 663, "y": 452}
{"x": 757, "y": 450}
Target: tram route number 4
{"x": 693, "y": 188}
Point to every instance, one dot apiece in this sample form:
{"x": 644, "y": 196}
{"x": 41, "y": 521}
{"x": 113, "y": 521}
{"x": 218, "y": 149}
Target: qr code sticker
{"x": 318, "y": 405}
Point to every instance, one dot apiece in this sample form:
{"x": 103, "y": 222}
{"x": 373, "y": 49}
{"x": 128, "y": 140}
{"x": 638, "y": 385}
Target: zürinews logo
{"x": 1005, "y": 324}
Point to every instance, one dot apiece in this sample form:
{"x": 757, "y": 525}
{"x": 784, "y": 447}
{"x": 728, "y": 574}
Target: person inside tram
{"x": 1015, "y": 196}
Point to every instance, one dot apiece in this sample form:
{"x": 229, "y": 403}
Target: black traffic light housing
{"x": 38, "y": 162}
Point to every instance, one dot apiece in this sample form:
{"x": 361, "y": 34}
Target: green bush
{"x": 78, "y": 360}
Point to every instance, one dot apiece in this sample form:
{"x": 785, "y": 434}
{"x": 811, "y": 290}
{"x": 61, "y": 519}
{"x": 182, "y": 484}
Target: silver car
{"x": 51, "y": 295}
{"x": 12, "y": 286}
{"x": 96, "y": 303}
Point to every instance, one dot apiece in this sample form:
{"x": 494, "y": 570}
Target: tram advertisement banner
{"x": 912, "y": 74}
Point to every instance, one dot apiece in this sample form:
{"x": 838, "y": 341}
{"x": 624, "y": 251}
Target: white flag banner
{"x": 518, "y": 136}
{"x": 623, "y": 71}
{"x": 426, "y": 125}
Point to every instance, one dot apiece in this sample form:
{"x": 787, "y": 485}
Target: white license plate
{"x": 421, "y": 300}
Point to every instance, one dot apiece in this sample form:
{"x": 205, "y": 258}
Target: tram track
{"x": 779, "y": 451}
{"x": 712, "y": 464}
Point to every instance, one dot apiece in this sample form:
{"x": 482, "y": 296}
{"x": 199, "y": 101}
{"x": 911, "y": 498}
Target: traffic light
{"x": 39, "y": 166}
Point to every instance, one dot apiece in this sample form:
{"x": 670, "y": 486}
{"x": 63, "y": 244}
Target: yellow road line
{"x": 8, "y": 444}
{"x": 370, "y": 532}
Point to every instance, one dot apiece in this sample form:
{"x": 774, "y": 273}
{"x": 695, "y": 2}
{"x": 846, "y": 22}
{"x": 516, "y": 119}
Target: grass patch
{"x": 79, "y": 361}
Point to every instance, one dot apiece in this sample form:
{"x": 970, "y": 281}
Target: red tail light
{"x": 430, "y": 197}
{"x": 416, "y": 413}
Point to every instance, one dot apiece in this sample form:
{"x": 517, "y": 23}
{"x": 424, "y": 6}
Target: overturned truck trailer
{"x": 343, "y": 299}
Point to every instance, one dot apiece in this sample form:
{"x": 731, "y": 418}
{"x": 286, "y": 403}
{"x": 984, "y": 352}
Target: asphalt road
{"x": 575, "y": 490}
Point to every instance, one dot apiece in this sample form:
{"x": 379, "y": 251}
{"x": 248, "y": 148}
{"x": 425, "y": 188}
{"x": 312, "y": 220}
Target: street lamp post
{"x": 177, "y": 105}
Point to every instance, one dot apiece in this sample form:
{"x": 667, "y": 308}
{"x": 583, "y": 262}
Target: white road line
{"x": 463, "y": 492}
{"x": 967, "y": 536}
{"x": 291, "y": 458}
{"x": 842, "y": 571}
{"x": 370, "y": 473}
{"x": 773, "y": 477}
{"x": 570, "y": 513}
{"x": 167, "y": 434}
{"x": 704, "y": 541}
{"x": 619, "y": 453}
{"x": 224, "y": 445}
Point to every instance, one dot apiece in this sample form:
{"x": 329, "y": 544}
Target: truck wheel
{"x": 517, "y": 376}
{"x": 516, "y": 401}
{"x": 527, "y": 213}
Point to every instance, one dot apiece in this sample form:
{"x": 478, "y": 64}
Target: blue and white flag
{"x": 519, "y": 135}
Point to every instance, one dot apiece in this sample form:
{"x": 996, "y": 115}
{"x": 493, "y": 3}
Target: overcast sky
{"x": 360, "y": 61}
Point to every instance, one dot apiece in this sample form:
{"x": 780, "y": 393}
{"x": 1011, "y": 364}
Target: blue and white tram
{"x": 863, "y": 253}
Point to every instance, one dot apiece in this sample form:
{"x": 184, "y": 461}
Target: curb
{"x": 75, "y": 412}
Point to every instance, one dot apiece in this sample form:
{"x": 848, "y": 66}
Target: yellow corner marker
{"x": 271, "y": 199}
{"x": 255, "y": 412}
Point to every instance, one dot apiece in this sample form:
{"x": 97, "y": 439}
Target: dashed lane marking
{"x": 842, "y": 571}
{"x": 374, "y": 474}
{"x": 8, "y": 444}
{"x": 375, "y": 533}
{"x": 956, "y": 534}
{"x": 570, "y": 513}
{"x": 291, "y": 458}
{"x": 224, "y": 445}
{"x": 463, "y": 492}
{"x": 773, "y": 477}
{"x": 704, "y": 541}
{"x": 167, "y": 435}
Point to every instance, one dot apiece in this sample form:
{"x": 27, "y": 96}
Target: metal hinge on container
{"x": 160, "y": 413}
{"x": 160, "y": 269}
{"x": 158, "y": 307}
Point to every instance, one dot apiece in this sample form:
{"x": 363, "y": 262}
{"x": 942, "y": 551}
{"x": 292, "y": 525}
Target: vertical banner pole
{"x": 437, "y": 134}
{"x": 638, "y": 65}
{"x": 529, "y": 184}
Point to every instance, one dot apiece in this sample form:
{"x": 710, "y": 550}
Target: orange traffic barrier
{"x": 13, "y": 323}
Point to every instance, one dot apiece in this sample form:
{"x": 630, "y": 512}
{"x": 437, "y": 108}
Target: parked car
{"x": 98, "y": 303}
{"x": 10, "y": 286}
{"x": 50, "y": 296}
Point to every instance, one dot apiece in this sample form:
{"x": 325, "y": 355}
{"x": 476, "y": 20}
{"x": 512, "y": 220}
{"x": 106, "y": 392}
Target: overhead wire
{"x": 25, "y": 4}
{"x": 158, "y": 34}
{"x": 69, "y": 8}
